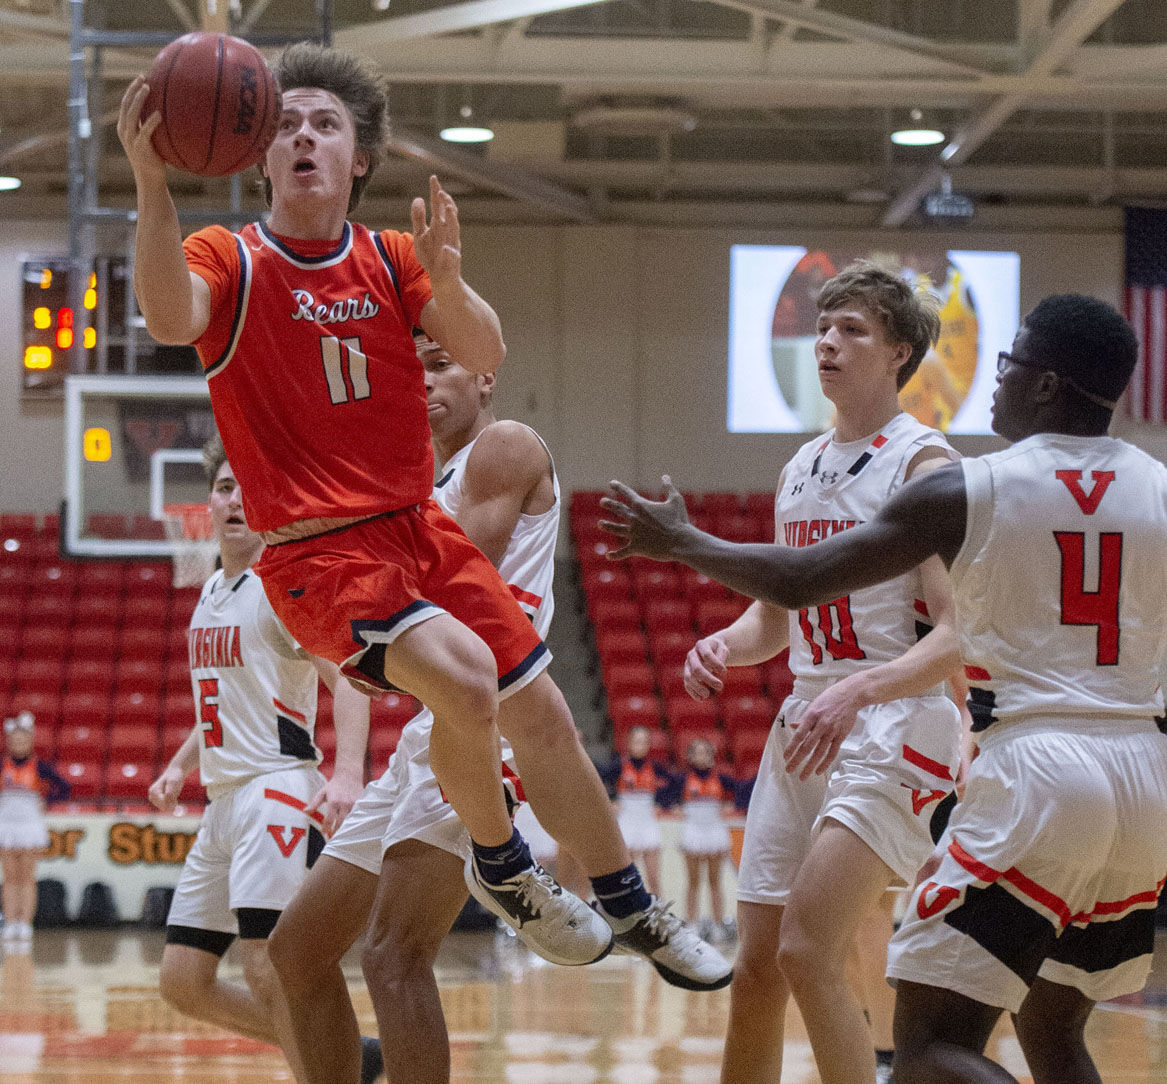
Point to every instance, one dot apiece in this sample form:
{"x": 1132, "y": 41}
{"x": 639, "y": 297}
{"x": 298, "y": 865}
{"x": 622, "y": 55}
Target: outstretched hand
{"x": 438, "y": 241}
{"x": 650, "y": 528}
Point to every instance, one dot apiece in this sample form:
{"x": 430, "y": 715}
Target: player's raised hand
{"x": 438, "y": 240}
{"x": 649, "y": 528}
{"x": 705, "y": 667}
{"x": 136, "y": 134}
{"x": 819, "y": 734}
{"x": 164, "y": 791}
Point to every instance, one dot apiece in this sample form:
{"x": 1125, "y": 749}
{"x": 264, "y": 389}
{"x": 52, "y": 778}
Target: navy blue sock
{"x": 884, "y": 1057}
{"x": 622, "y": 893}
{"x": 497, "y": 864}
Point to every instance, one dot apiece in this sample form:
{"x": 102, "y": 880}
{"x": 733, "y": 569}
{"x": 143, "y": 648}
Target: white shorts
{"x": 1052, "y": 867}
{"x": 407, "y": 803}
{"x": 890, "y": 774}
{"x": 253, "y": 849}
{"x": 636, "y": 815}
{"x": 22, "y": 821}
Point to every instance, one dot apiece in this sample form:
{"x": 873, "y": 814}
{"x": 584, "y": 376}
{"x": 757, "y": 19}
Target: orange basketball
{"x": 219, "y": 103}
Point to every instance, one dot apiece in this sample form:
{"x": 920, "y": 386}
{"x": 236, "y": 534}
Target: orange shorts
{"x": 343, "y": 593}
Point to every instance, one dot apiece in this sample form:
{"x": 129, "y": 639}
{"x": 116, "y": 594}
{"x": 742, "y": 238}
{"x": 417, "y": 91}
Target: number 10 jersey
{"x": 830, "y": 487}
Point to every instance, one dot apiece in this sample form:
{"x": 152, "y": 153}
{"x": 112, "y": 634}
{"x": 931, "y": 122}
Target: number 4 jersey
{"x": 1061, "y": 583}
{"x": 254, "y": 686}
{"x": 314, "y": 378}
{"x": 831, "y": 487}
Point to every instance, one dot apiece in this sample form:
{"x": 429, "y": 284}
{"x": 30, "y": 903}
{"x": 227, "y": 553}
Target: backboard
{"x": 132, "y": 446}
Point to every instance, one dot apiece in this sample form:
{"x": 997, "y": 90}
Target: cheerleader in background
{"x": 640, "y": 786}
{"x": 27, "y": 784}
{"x": 704, "y": 795}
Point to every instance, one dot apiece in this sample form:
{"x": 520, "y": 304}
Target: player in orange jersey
{"x": 303, "y": 323}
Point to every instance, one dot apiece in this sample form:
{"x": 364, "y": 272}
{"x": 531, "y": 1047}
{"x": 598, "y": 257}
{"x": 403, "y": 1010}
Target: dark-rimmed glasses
{"x": 1004, "y": 359}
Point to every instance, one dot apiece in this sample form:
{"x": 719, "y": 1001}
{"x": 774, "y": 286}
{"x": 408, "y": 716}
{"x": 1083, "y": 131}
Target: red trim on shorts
{"x": 932, "y": 767}
{"x": 975, "y": 673}
{"x": 295, "y": 803}
{"x": 1018, "y": 880}
{"x": 299, "y": 716}
{"x": 525, "y": 596}
{"x": 1118, "y": 906}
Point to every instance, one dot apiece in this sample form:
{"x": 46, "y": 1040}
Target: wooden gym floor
{"x": 83, "y": 1008}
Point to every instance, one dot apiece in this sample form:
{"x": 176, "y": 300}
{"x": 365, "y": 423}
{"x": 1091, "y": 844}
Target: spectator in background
{"x": 641, "y": 785}
{"x": 27, "y": 785}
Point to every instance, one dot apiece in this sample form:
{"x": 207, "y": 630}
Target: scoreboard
{"x": 97, "y": 318}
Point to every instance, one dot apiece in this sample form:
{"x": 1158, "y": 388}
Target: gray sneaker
{"x": 550, "y": 921}
{"x": 680, "y": 957}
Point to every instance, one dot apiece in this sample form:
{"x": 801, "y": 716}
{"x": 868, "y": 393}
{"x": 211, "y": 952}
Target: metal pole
{"x": 81, "y": 239}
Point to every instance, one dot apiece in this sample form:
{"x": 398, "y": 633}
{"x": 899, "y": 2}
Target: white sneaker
{"x": 681, "y": 957}
{"x": 552, "y": 922}
{"x": 883, "y": 1072}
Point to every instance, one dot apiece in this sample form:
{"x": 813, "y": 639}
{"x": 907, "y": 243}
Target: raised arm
{"x": 456, "y": 316}
{"x": 175, "y": 302}
{"x": 927, "y": 516}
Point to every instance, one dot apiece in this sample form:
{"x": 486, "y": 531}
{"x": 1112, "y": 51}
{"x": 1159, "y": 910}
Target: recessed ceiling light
{"x": 7, "y": 184}
{"x": 463, "y": 133}
{"x": 917, "y": 137}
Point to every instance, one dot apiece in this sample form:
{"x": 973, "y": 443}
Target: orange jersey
{"x": 314, "y": 379}
{"x": 24, "y": 776}
{"x": 640, "y": 779}
{"x": 709, "y": 787}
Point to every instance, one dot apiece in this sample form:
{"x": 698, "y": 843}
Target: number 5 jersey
{"x": 831, "y": 487}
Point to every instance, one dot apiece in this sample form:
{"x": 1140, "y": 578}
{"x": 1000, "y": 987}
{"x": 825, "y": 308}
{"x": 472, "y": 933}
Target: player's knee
{"x": 392, "y": 958}
{"x": 182, "y": 989}
{"x": 758, "y": 975}
{"x": 802, "y": 961}
{"x": 259, "y": 972}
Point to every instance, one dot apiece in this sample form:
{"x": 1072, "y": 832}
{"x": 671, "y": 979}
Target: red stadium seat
{"x": 39, "y": 675}
{"x": 697, "y": 587}
{"x": 606, "y": 585}
{"x": 81, "y": 743}
{"x": 619, "y": 646}
{"x": 777, "y": 678}
{"x": 586, "y": 501}
{"x": 629, "y": 679}
{"x": 178, "y": 710}
{"x": 721, "y": 504}
{"x": 136, "y": 708}
{"x": 44, "y": 739}
{"x": 176, "y": 640}
{"x": 43, "y": 642}
{"x": 148, "y": 577}
{"x": 742, "y": 681}
{"x": 714, "y": 614}
{"x": 669, "y": 647}
{"x": 392, "y": 710}
{"x": 176, "y": 674}
{"x": 620, "y": 614}
{"x": 128, "y": 779}
{"x": 144, "y": 526}
{"x": 736, "y": 528}
{"x": 685, "y": 713}
{"x": 45, "y": 706}
{"x": 139, "y": 675}
{"x": 19, "y": 524}
{"x": 382, "y": 744}
{"x": 102, "y": 576}
{"x": 90, "y": 676}
{"x": 629, "y": 711}
{"x": 671, "y": 680}
{"x": 325, "y": 739}
{"x": 132, "y": 740}
{"x": 667, "y": 613}
{"x": 760, "y": 505}
{"x": 85, "y": 710}
{"x": 172, "y": 738}
{"x": 106, "y": 525}
{"x": 142, "y": 643}
{"x": 748, "y": 713}
{"x": 657, "y": 582}
{"x": 193, "y": 792}
{"x": 183, "y": 602}
{"x": 93, "y": 641}
{"x": 146, "y": 610}
{"x": 99, "y": 606}
{"x": 48, "y": 609}
{"x": 747, "y": 746}
{"x": 83, "y": 777}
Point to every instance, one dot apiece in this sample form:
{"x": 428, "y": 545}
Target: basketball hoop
{"x": 193, "y": 545}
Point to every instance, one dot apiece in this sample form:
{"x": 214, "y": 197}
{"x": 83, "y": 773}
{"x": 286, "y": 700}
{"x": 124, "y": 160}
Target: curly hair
{"x": 907, "y": 315}
{"x": 358, "y": 86}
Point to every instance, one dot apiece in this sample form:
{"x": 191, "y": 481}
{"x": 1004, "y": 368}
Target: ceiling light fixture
{"x": 8, "y": 184}
{"x": 917, "y": 134}
{"x": 467, "y": 131}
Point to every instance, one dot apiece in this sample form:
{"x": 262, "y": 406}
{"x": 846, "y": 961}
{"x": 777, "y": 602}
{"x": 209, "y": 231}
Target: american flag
{"x": 1146, "y": 309}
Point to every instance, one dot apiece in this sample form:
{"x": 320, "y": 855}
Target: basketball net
{"x": 194, "y": 549}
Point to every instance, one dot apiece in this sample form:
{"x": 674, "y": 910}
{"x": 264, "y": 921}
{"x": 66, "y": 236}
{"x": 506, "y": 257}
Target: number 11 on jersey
{"x": 346, "y": 368}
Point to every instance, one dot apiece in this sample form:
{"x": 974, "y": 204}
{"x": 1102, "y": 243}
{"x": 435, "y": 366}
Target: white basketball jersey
{"x": 254, "y": 686}
{"x": 1061, "y": 582}
{"x": 528, "y": 565}
{"x": 831, "y": 487}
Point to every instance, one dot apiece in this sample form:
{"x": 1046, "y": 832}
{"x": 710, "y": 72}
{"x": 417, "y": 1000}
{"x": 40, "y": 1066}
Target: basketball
{"x": 219, "y": 104}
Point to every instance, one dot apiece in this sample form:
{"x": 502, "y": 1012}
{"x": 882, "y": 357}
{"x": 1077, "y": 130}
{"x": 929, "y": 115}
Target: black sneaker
{"x": 372, "y": 1064}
